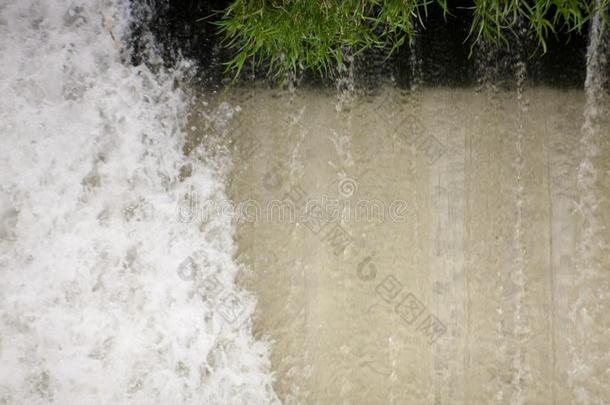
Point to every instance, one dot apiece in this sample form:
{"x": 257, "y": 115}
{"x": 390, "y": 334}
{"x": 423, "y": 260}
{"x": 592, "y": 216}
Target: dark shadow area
{"x": 186, "y": 29}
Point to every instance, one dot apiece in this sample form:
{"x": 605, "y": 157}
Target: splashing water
{"x": 92, "y": 307}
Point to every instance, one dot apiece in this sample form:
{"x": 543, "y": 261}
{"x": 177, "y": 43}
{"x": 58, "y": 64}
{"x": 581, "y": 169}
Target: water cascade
{"x": 429, "y": 226}
{"x": 103, "y": 296}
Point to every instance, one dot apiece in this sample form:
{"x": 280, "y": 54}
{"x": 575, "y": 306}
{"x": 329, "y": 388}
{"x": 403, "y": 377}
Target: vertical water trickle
{"x": 520, "y": 375}
{"x": 484, "y": 60}
{"x": 344, "y": 83}
{"x": 484, "y": 325}
{"x": 411, "y": 99}
{"x": 590, "y": 279}
{"x": 294, "y": 113}
{"x": 499, "y": 276}
{"x": 345, "y": 86}
{"x": 415, "y": 63}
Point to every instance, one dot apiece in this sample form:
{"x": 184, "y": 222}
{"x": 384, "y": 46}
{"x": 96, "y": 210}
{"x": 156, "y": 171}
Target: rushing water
{"x": 163, "y": 244}
{"x": 99, "y": 301}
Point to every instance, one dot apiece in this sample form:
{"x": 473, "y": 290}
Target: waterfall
{"x": 98, "y": 304}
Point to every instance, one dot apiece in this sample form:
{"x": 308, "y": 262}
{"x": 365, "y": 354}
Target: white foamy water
{"x": 92, "y": 307}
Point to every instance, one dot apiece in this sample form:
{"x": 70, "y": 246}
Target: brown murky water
{"x": 461, "y": 261}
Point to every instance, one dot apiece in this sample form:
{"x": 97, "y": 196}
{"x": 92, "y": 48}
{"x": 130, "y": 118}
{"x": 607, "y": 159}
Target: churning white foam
{"x": 92, "y": 307}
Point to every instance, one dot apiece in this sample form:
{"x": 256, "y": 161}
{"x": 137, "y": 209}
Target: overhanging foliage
{"x": 286, "y": 35}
